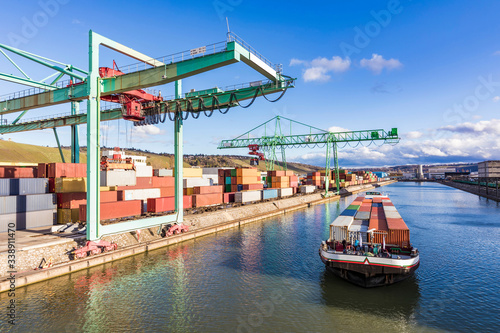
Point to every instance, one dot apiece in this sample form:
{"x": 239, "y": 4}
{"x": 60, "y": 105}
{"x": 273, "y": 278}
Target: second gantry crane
{"x": 315, "y": 138}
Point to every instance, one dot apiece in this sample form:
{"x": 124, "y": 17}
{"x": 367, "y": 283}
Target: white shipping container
{"x": 247, "y": 196}
{"x": 118, "y": 178}
{"x": 143, "y": 171}
{"x": 390, "y": 209}
{"x": 339, "y": 228}
{"x": 392, "y": 215}
{"x": 163, "y": 172}
{"x": 214, "y": 179}
{"x": 142, "y": 194}
{"x": 28, "y": 220}
{"x": 194, "y": 182}
{"x": 285, "y": 192}
{"x": 307, "y": 189}
{"x": 211, "y": 171}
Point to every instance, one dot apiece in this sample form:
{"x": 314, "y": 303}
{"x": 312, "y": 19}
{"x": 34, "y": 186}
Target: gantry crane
{"x": 315, "y": 137}
{"x": 127, "y": 84}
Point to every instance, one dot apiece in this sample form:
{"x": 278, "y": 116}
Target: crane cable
{"x": 153, "y": 115}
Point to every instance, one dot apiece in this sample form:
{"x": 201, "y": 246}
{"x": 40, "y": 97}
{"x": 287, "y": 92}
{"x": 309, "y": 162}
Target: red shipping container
{"x": 158, "y": 205}
{"x": 74, "y": 200}
{"x": 200, "y": 200}
{"x": 163, "y": 181}
{"x": 56, "y": 170}
{"x": 113, "y": 210}
{"x": 234, "y": 180}
{"x": 42, "y": 170}
{"x": 234, "y": 188}
{"x": 167, "y": 191}
{"x": 364, "y": 209}
{"x": 18, "y": 172}
{"x": 387, "y": 204}
{"x": 228, "y": 197}
{"x": 247, "y": 187}
{"x": 208, "y": 189}
{"x": 396, "y": 224}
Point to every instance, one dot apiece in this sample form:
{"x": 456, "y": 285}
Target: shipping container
{"x": 285, "y": 192}
{"x": 163, "y": 182}
{"x": 349, "y": 212}
{"x": 167, "y": 191}
{"x": 339, "y": 228}
{"x": 392, "y": 215}
{"x": 228, "y": 197}
{"x": 68, "y": 185}
{"x": 18, "y": 172}
{"x": 29, "y": 220}
{"x": 192, "y": 182}
{"x": 142, "y": 194}
{"x": 71, "y": 170}
{"x": 163, "y": 173}
{"x": 158, "y": 205}
{"x": 207, "y": 189}
{"x": 41, "y": 170}
{"x": 307, "y": 189}
{"x": 360, "y": 215}
{"x": 365, "y": 209}
{"x": 247, "y": 196}
{"x": 23, "y": 186}
{"x": 113, "y": 210}
{"x": 353, "y": 206}
{"x": 191, "y": 172}
{"x": 68, "y": 215}
{"x": 74, "y": 200}
{"x": 118, "y": 178}
{"x": 143, "y": 171}
{"x": 27, "y": 203}
{"x": 200, "y": 200}
{"x": 269, "y": 194}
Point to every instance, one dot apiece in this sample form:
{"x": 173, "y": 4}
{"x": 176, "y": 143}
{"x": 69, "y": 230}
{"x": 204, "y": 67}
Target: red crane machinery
{"x": 254, "y": 150}
{"x": 135, "y": 102}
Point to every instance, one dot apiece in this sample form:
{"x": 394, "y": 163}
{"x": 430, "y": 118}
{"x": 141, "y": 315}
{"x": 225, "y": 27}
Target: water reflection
{"x": 396, "y": 301}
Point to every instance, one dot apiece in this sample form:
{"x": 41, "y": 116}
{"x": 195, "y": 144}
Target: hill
{"x": 13, "y": 152}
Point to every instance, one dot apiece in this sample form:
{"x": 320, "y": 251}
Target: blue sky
{"x": 431, "y": 69}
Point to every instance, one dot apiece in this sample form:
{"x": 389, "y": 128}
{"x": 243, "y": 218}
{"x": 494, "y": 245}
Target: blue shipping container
{"x": 349, "y": 212}
{"x": 240, "y": 187}
{"x": 269, "y": 194}
{"x": 228, "y": 180}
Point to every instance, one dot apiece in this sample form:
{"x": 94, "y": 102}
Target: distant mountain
{"x": 23, "y": 153}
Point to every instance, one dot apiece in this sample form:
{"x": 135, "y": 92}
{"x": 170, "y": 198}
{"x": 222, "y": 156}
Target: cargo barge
{"x": 369, "y": 244}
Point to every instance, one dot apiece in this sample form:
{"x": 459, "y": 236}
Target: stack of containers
{"x": 208, "y": 195}
{"x": 362, "y": 217}
{"x": 249, "y": 179}
{"x": 377, "y": 220}
{"x": 27, "y": 203}
{"x": 69, "y": 182}
{"x": 193, "y": 177}
{"x": 398, "y": 232}
{"x": 314, "y": 178}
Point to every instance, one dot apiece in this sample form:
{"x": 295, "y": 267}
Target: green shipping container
{"x": 227, "y": 188}
{"x": 356, "y": 207}
{"x": 233, "y": 172}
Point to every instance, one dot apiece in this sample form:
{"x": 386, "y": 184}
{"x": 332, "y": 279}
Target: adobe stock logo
{"x": 32, "y": 25}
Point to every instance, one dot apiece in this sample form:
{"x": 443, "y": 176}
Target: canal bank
{"x": 59, "y": 248}
{"x": 481, "y": 191}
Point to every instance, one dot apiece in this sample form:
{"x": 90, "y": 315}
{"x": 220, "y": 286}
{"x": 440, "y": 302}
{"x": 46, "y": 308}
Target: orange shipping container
{"x": 208, "y": 189}
{"x": 200, "y": 200}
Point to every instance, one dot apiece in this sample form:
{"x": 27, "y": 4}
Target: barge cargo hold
{"x": 369, "y": 244}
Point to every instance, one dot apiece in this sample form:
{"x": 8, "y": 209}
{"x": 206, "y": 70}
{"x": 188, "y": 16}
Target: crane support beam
{"x": 305, "y": 139}
{"x": 184, "y": 104}
{"x": 142, "y": 79}
{"x": 26, "y": 82}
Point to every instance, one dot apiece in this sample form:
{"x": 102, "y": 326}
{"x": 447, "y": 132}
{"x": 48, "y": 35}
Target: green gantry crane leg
{"x": 179, "y": 158}
{"x": 75, "y": 144}
{"x": 59, "y": 145}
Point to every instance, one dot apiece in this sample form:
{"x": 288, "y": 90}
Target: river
{"x": 267, "y": 277}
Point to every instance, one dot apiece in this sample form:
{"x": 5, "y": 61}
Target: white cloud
{"x": 465, "y": 142}
{"x": 145, "y": 131}
{"x": 496, "y": 99}
{"x": 414, "y": 135}
{"x": 496, "y": 53}
{"x": 482, "y": 127}
{"x": 295, "y": 62}
{"x": 76, "y": 21}
{"x": 320, "y": 68}
{"x": 377, "y": 63}
{"x": 337, "y": 129}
